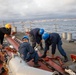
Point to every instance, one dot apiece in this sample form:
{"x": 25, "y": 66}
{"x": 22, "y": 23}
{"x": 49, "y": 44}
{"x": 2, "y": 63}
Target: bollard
{"x": 64, "y": 35}
{"x": 27, "y": 30}
{"x": 69, "y": 36}
{"x": 14, "y": 29}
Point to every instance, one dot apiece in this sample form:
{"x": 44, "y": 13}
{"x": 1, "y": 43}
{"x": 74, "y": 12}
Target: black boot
{"x": 43, "y": 56}
{"x": 65, "y": 58}
{"x": 36, "y": 64}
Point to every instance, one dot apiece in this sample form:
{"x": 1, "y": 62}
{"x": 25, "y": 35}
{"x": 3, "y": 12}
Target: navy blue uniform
{"x": 28, "y": 52}
{"x": 35, "y": 37}
{"x": 54, "y": 39}
{"x": 4, "y": 31}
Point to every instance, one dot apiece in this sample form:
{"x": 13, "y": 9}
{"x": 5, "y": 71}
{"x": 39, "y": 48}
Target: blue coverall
{"x": 36, "y": 38}
{"x": 28, "y": 52}
{"x": 54, "y": 39}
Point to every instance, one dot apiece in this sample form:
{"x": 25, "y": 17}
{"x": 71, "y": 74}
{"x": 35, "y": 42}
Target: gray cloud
{"x": 26, "y": 8}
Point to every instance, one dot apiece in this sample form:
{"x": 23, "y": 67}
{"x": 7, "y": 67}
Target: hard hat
{"x": 45, "y": 36}
{"x": 25, "y": 37}
{"x": 41, "y": 31}
{"x": 8, "y": 26}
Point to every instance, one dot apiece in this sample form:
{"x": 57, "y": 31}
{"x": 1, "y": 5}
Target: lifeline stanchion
{"x": 64, "y": 35}
{"x": 69, "y": 36}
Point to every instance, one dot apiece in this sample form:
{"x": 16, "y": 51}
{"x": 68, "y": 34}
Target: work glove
{"x": 13, "y": 37}
{"x": 36, "y": 49}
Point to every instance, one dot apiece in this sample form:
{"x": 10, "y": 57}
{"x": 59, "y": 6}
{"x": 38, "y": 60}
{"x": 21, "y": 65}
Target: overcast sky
{"x": 27, "y": 8}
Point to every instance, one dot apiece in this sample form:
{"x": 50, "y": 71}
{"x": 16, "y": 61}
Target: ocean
{"x": 50, "y": 25}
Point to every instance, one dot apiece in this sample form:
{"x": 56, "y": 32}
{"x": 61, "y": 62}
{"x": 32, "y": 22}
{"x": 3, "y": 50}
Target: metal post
{"x": 69, "y": 36}
{"x": 64, "y": 35}
{"x": 14, "y": 29}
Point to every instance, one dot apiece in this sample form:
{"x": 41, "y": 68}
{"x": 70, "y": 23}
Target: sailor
{"x": 27, "y": 52}
{"x": 36, "y": 37}
{"x": 53, "y": 39}
{"x": 4, "y": 31}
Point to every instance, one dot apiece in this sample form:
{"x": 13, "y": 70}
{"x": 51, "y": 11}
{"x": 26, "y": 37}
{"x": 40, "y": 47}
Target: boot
{"x": 33, "y": 60}
{"x": 36, "y": 65}
{"x": 65, "y": 58}
{"x": 43, "y": 56}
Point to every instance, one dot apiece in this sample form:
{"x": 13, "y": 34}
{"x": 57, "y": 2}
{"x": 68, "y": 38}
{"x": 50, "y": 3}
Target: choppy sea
{"x": 50, "y": 25}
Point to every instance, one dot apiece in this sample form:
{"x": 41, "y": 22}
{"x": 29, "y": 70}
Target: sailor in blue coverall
{"x": 36, "y": 37}
{"x": 53, "y": 39}
{"x": 27, "y": 52}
